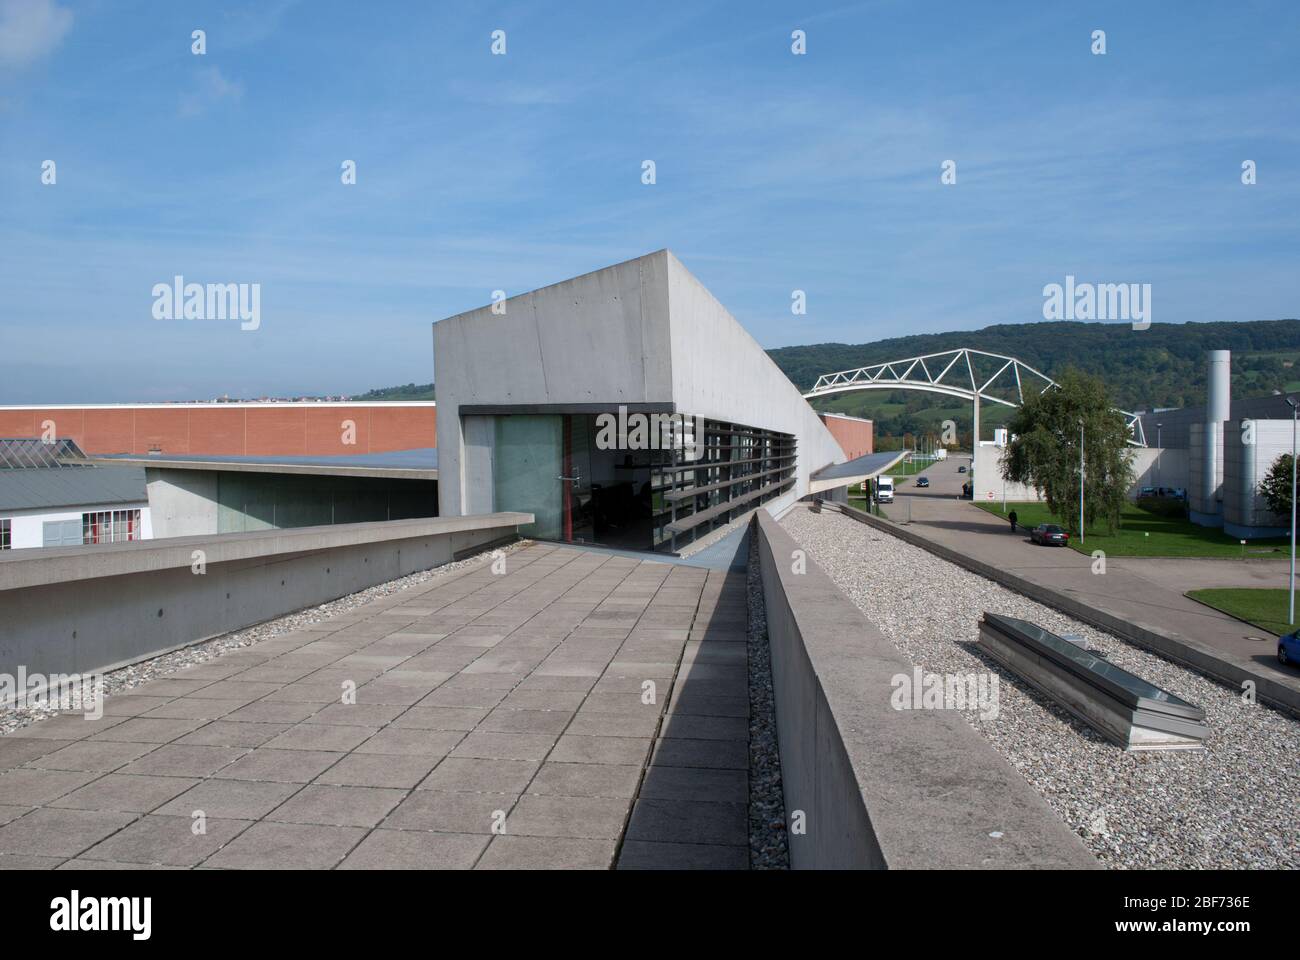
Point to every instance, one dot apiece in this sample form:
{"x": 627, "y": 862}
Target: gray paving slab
{"x": 287, "y": 846}
{"x": 547, "y": 853}
{"x": 60, "y": 833}
{"x": 413, "y": 850}
{"x": 498, "y": 721}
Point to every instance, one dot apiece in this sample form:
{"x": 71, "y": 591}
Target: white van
{"x": 884, "y": 489}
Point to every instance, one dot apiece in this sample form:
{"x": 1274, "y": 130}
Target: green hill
{"x": 412, "y": 391}
{"x": 1163, "y": 366}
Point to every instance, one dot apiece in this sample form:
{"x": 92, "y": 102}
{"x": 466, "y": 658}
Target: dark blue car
{"x": 1288, "y": 648}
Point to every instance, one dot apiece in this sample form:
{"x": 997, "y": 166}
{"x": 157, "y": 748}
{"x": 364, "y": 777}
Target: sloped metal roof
{"x": 36, "y": 488}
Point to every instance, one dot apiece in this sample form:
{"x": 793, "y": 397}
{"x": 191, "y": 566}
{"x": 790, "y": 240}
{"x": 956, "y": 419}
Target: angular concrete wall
{"x": 878, "y": 787}
{"x": 183, "y": 502}
{"x": 640, "y": 332}
{"x": 91, "y": 609}
{"x": 720, "y": 371}
{"x": 601, "y": 338}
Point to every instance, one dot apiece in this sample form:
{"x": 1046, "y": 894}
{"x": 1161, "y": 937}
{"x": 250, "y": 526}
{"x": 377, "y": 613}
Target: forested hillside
{"x": 1163, "y": 366}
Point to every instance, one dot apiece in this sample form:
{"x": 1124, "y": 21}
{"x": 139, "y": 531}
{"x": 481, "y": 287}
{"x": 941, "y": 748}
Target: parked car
{"x": 961, "y": 469}
{"x": 1147, "y": 492}
{"x": 922, "y": 481}
{"x": 1288, "y": 649}
{"x": 1049, "y": 534}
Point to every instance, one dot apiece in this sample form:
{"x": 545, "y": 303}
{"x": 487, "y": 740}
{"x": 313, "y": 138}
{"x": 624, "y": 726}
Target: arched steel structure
{"x": 952, "y": 372}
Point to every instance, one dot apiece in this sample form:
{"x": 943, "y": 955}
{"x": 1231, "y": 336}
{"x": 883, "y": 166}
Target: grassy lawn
{"x": 1144, "y": 534}
{"x": 861, "y": 503}
{"x": 1266, "y": 609}
{"x": 907, "y": 469}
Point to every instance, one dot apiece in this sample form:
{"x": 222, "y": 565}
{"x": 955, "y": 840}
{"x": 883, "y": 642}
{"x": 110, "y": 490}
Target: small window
{"x": 5, "y": 542}
{"x": 110, "y": 526}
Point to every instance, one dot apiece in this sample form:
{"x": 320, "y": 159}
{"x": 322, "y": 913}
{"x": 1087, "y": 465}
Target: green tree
{"x": 1276, "y": 486}
{"x": 1044, "y": 451}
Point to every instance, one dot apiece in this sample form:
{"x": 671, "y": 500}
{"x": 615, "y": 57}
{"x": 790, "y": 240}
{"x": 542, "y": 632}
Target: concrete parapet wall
{"x": 94, "y": 608}
{"x": 881, "y": 788}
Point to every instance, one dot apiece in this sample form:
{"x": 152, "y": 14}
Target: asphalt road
{"x": 1143, "y": 590}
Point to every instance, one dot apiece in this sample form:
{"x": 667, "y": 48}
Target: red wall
{"x": 231, "y": 429}
{"x": 855, "y": 437}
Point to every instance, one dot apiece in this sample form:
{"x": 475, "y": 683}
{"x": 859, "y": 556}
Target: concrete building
{"x": 50, "y": 496}
{"x": 625, "y": 407}
{"x": 201, "y": 496}
{"x": 1220, "y": 453}
{"x": 1250, "y": 448}
{"x": 296, "y": 429}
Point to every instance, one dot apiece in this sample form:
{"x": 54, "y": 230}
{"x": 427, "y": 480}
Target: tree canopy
{"x": 1276, "y": 486}
{"x": 1044, "y": 450}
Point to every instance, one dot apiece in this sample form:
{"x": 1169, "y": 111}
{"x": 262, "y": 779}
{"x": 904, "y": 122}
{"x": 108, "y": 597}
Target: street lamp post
{"x": 1159, "y": 453}
{"x": 1290, "y": 610}
{"x": 1081, "y": 537}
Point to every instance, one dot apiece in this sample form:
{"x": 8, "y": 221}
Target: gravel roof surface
{"x": 1232, "y": 805}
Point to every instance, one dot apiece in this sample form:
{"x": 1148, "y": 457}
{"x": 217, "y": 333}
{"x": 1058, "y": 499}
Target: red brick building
{"x": 854, "y": 434}
{"x": 231, "y": 429}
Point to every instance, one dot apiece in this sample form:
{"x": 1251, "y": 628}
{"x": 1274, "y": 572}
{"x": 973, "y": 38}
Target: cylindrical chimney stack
{"x": 1218, "y": 408}
{"x": 1218, "y": 397}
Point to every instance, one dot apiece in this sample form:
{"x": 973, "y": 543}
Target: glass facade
{"x": 634, "y": 481}
{"x": 723, "y": 471}
{"x": 265, "y": 501}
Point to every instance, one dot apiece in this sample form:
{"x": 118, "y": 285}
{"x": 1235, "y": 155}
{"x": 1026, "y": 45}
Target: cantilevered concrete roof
{"x": 417, "y": 464}
{"x": 854, "y": 471}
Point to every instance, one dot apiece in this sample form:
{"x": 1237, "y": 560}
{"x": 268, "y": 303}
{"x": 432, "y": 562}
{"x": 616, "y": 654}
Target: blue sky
{"x": 476, "y": 172}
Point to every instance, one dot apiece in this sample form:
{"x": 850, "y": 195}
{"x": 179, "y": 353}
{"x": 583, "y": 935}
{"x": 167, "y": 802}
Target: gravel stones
{"x": 768, "y": 849}
{"x": 1229, "y": 806}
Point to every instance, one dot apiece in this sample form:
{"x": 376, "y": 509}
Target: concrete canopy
{"x": 420, "y": 464}
{"x": 854, "y": 471}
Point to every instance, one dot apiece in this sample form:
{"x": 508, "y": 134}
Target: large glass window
{"x": 724, "y": 470}
{"x": 528, "y": 463}
{"x": 110, "y": 526}
{"x": 640, "y": 482}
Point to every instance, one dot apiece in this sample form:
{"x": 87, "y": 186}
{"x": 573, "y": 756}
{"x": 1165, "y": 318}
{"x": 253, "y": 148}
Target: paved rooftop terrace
{"x": 498, "y": 722}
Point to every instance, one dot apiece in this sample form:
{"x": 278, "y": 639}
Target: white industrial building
{"x": 50, "y": 497}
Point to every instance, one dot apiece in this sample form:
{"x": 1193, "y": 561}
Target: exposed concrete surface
{"x": 500, "y": 721}
{"x": 1133, "y": 810}
{"x": 879, "y": 787}
{"x": 92, "y": 608}
{"x": 640, "y": 332}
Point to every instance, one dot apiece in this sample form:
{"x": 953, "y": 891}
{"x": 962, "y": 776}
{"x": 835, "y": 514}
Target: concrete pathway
{"x": 1142, "y": 590}
{"x": 499, "y": 721}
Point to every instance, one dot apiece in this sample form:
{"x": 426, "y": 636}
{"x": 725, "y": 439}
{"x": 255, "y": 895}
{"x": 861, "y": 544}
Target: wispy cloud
{"x": 30, "y": 30}
{"x": 212, "y": 88}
